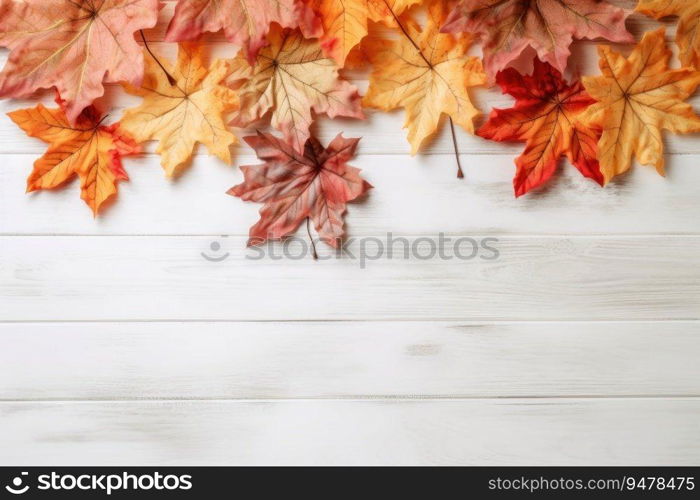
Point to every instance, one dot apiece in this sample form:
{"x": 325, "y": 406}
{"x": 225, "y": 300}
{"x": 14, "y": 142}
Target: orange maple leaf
{"x": 345, "y": 22}
{"x": 87, "y": 149}
{"x": 688, "y": 33}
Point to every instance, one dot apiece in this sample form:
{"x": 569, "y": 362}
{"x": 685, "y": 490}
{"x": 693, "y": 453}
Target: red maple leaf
{"x": 294, "y": 187}
{"x": 545, "y": 117}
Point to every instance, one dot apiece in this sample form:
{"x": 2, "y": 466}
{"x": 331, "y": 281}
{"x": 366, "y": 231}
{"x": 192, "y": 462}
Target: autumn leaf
{"x": 545, "y": 117}
{"x": 688, "y": 32}
{"x": 245, "y": 23}
{"x": 508, "y": 27}
{"x": 87, "y": 149}
{"x": 291, "y": 79}
{"x": 638, "y": 97}
{"x": 180, "y": 116}
{"x": 75, "y": 46}
{"x": 388, "y": 11}
{"x": 345, "y": 21}
{"x": 425, "y": 72}
{"x": 294, "y": 187}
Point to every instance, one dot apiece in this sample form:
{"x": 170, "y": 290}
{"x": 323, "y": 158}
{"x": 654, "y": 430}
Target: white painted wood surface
{"x": 579, "y": 345}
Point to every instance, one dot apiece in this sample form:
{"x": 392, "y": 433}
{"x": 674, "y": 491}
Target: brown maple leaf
{"x": 294, "y": 187}
{"x": 508, "y": 27}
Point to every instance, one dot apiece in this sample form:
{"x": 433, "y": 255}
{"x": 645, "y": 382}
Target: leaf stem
{"x": 313, "y": 243}
{"x": 102, "y": 120}
{"x": 405, "y": 32}
{"x": 171, "y": 80}
{"x": 460, "y": 172}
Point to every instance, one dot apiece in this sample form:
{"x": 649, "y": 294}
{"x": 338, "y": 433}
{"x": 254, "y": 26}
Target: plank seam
{"x": 360, "y": 399}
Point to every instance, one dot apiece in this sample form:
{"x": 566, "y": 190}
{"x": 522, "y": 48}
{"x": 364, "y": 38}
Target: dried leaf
{"x": 75, "y": 46}
{"x": 545, "y": 117}
{"x": 245, "y": 23}
{"x": 293, "y": 186}
{"x": 182, "y": 115}
{"x": 638, "y": 97}
{"x": 688, "y": 33}
{"x": 425, "y": 72}
{"x": 508, "y": 27}
{"x": 345, "y": 21}
{"x": 88, "y": 149}
{"x": 291, "y": 78}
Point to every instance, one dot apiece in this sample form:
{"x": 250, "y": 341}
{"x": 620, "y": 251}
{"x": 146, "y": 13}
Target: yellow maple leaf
{"x": 345, "y": 21}
{"x": 180, "y": 116}
{"x": 86, "y": 148}
{"x": 688, "y": 33}
{"x": 426, "y": 72}
{"x": 637, "y": 97}
{"x": 291, "y": 79}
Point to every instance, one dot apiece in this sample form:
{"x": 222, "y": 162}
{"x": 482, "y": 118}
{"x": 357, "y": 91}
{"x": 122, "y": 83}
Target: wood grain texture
{"x": 120, "y": 343}
{"x": 411, "y": 196}
{"x": 143, "y": 361}
{"x": 535, "y": 278}
{"x": 432, "y": 432}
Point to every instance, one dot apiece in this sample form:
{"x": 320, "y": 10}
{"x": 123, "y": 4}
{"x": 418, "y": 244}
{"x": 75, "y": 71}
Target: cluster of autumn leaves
{"x": 287, "y": 73}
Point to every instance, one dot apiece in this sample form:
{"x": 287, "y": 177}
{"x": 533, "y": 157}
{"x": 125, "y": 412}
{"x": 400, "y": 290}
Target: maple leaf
{"x": 246, "y": 23}
{"x": 294, "y": 187}
{"x": 638, "y": 97}
{"x": 291, "y": 78}
{"x": 87, "y": 149}
{"x": 688, "y": 33}
{"x": 508, "y": 27}
{"x": 345, "y": 21}
{"x": 184, "y": 114}
{"x": 73, "y": 45}
{"x": 425, "y": 72}
{"x": 545, "y": 117}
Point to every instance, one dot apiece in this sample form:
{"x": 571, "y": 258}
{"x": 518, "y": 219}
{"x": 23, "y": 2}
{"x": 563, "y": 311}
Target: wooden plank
{"x": 533, "y": 278}
{"x": 412, "y": 196}
{"x": 373, "y": 432}
{"x": 128, "y": 361}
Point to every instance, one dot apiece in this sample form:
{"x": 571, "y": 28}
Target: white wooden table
{"x": 120, "y": 344}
